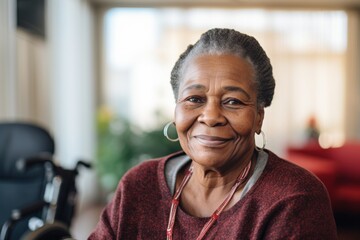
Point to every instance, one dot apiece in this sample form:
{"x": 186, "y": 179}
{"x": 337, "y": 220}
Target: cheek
{"x": 245, "y": 124}
{"x": 183, "y": 119}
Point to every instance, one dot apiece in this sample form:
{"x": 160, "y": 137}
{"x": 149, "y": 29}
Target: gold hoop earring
{"x": 166, "y": 132}
{"x": 264, "y": 142}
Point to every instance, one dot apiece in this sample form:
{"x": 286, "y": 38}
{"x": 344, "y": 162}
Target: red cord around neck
{"x": 175, "y": 202}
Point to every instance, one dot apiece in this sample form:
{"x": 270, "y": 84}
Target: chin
{"x": 210, "y": 158}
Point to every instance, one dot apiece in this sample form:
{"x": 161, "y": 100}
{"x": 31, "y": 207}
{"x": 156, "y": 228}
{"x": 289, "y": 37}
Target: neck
{"x": 208, "y": 187}
{"x": 209, "y": 179}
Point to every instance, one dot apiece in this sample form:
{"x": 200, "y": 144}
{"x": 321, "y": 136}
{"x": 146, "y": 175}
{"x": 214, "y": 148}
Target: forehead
{"x": 224, "y": 67}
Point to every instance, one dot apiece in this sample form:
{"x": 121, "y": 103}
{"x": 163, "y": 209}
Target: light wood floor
{"x": 85, "y": 221}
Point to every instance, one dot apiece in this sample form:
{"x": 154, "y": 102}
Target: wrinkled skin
{"x": 216, "y": 114}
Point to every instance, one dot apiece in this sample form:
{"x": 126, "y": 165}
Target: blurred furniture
{"x": 338, "y": 168}
{"x": 37, "y": 196}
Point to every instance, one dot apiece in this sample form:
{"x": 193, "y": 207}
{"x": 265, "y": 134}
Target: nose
{"x": 212, "y": 114}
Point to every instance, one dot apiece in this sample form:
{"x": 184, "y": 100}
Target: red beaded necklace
{"x": 175, "y": 202}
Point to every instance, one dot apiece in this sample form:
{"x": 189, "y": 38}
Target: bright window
{"x": 307, "y": 50}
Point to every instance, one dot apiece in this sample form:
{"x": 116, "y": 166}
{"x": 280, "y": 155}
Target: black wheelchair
{"x": 37, "y": 197}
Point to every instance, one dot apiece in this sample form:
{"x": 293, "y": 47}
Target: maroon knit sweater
{"x": 286, "y": 202}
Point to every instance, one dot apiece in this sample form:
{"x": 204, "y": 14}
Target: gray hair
{"x": 227, "y": 41}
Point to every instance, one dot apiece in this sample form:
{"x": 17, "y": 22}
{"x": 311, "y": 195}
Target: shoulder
{"x": 143, "y": 169}
{"x": 145, "y": 178}
{"x": 285, "y": 178}
{"x": 292, "y": 198}
{"x": 283, "y": 182}
{"x": 147, "y": 172}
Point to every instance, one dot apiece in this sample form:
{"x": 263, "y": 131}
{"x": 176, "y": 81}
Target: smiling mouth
{"x": 211, "y": 141}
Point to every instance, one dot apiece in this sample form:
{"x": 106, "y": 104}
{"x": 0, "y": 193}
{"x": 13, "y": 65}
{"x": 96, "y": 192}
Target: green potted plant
{"x": 121, "y": 145}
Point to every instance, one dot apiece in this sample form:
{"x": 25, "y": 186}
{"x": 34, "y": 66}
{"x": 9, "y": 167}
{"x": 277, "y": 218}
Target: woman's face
{"x": 216, "y": 114}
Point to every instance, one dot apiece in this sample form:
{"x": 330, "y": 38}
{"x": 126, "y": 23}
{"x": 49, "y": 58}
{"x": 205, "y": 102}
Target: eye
{"x": 232, "y": 102}
{"x": 194, "y": 99}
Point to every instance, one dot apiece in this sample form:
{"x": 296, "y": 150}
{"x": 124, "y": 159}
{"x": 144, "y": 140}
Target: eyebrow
{"x": 195, "y": 86}
{"x": 237, "y": 89}
{"x": 227, "y": 88}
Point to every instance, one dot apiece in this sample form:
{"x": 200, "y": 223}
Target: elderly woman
{"x": 221, "y": 186}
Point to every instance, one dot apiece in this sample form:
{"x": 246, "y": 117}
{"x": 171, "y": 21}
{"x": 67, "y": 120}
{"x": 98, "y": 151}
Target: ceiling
{"x": 323, "y": 4}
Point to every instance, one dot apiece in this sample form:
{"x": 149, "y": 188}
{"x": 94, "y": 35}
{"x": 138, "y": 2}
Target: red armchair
{"x": 338, "y": 168}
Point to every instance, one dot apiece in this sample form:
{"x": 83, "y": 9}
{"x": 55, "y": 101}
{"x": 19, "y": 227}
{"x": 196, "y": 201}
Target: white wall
{"x": 352, "y": 90}
{"x": 7, "y": 59}
{"x": 24, "y": 91}
{"x": 32, "y": 83}
{"x": 71, "y": 72}
{"x": 51, "y": 81}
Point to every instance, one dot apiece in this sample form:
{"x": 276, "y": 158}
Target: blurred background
{"x": 96, "y": 74}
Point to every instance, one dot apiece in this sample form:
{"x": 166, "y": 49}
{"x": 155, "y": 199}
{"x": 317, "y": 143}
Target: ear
{"x": 259, "y": 119}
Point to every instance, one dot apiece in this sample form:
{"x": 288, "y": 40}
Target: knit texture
{"x": 287, "y": 202}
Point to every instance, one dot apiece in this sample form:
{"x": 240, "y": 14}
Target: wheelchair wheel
{"x": 54, "y": 231}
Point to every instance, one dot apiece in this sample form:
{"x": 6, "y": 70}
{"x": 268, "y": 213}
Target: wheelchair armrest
{"x": 17, "y": 215}
{"x": 24, "y": 163}
{"x": 82, "y": 164}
